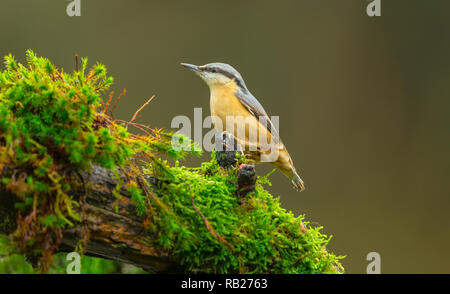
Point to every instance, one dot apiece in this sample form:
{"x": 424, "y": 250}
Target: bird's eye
{"x": 213, "y": 69}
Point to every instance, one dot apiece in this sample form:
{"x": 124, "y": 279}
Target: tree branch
{"x": 115, "y": 231}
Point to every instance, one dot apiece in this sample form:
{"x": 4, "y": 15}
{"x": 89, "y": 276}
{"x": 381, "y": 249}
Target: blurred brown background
{"x": 363, "y": 102}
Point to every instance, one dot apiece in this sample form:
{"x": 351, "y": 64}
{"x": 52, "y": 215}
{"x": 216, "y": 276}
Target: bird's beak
{"x": 191, "y": 67}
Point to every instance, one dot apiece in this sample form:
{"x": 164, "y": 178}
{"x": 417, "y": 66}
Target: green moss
{"x": 257, "y": 235}
{"x": 53, "y": 125}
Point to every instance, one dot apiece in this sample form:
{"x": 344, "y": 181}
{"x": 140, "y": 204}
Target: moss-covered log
{"x": 115, "y": 231}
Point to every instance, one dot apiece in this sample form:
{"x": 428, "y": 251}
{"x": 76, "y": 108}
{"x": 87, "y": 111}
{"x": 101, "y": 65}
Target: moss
{"x": 256, "y": 236}
{"x": 53, "y": 125}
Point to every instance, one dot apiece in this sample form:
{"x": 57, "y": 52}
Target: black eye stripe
{"x": 225, "y": 73}
{"x": 231, "y": 76}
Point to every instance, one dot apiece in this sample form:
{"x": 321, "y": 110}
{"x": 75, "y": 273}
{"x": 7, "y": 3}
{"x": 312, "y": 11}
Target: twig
{"x": 76, "y": 62}
{"x": 142, "y": 107}
{"x": 124, "y": 92}
{"x": 105, "y": 107}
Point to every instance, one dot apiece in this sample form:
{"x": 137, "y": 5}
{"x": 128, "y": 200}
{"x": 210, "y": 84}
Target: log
{"x": 116, "y": 234}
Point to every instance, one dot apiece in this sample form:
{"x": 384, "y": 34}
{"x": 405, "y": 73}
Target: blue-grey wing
{"x": 257, "y": 110}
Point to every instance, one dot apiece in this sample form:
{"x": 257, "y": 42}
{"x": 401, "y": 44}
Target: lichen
{"x": 55, "y": 125}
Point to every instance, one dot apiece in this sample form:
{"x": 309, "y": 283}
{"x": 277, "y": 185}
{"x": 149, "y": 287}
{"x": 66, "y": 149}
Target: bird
{"x": 233, "y": 106}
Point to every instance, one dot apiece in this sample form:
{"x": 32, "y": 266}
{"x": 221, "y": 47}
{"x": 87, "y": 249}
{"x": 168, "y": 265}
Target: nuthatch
{"x": 231, "y": 101}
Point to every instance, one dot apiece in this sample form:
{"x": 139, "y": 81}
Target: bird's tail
{"x": 297, "y": 182}
{"x": 286, "y": 166}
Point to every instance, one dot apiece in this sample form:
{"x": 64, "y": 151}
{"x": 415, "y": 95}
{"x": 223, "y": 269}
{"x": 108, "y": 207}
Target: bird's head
{"x": 217, "y": 74}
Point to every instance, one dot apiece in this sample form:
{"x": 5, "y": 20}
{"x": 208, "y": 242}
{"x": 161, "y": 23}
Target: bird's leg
{"x": 226, "y": 148}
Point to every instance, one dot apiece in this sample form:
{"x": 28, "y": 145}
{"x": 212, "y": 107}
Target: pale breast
{"x": 225, "y": 106}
